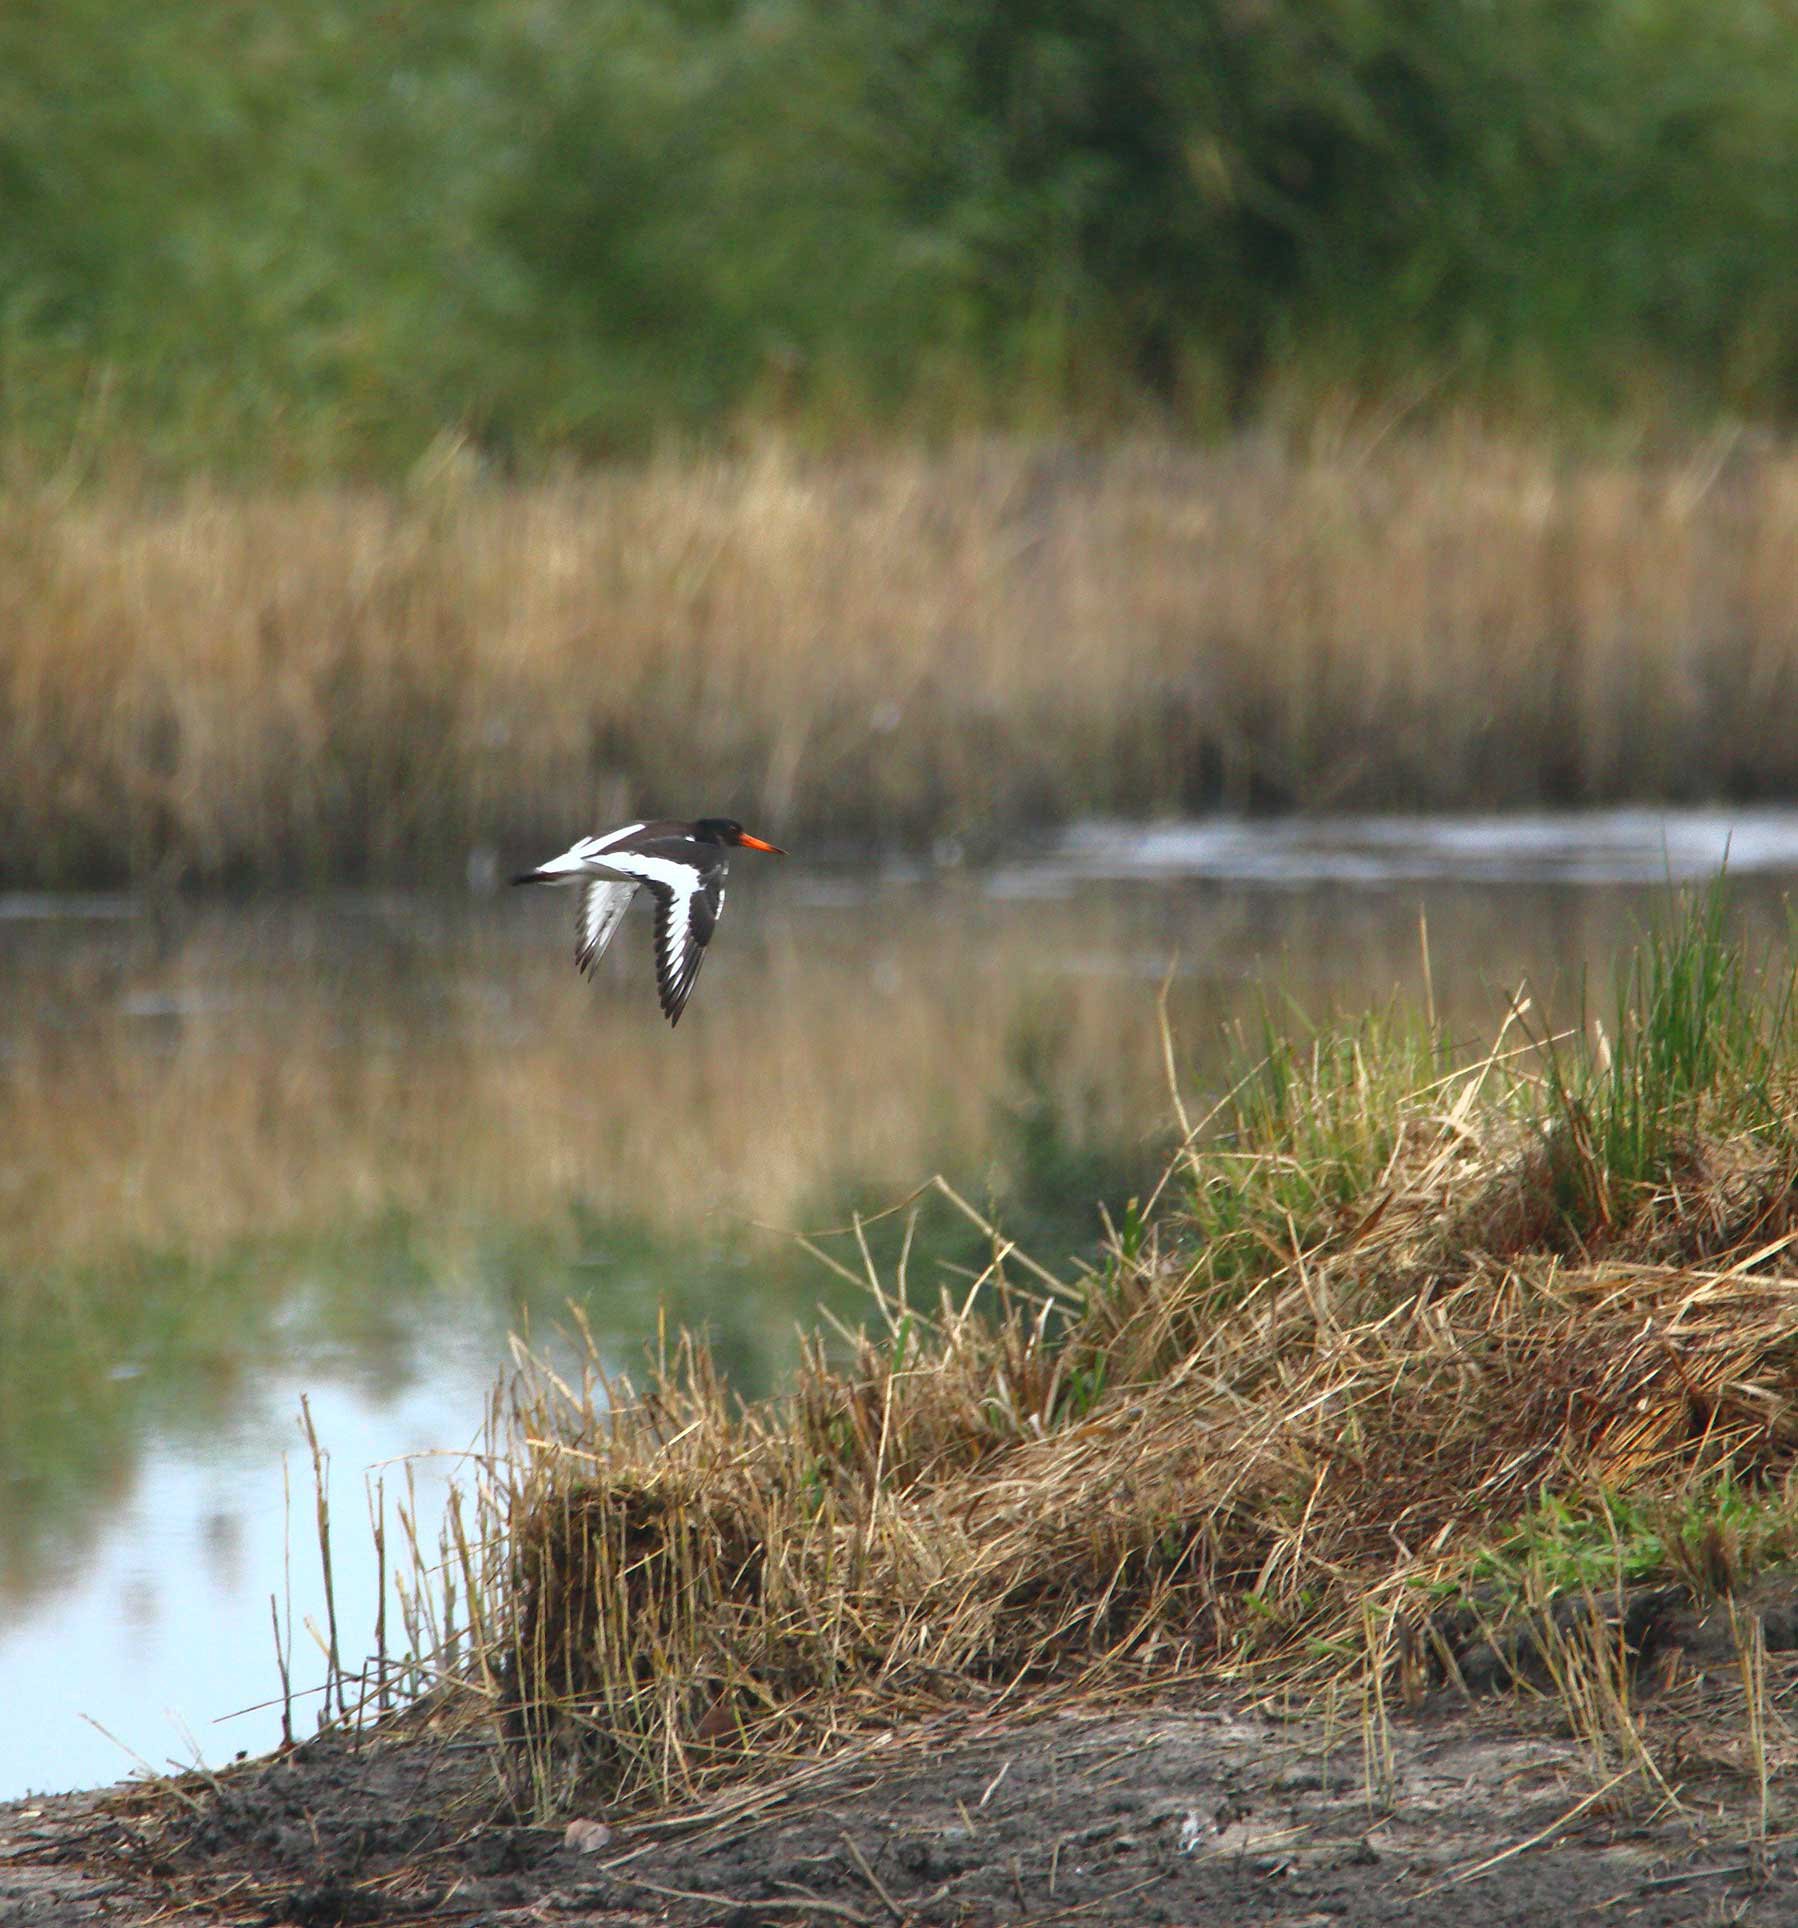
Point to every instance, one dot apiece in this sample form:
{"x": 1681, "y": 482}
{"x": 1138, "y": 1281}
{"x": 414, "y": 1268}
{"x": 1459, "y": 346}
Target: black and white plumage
{"x": 682, "y": 865}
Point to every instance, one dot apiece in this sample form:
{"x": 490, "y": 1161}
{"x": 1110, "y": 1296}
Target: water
{"x": 341, "y": 1150}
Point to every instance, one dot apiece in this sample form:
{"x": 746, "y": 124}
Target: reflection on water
{"x": 342, "y": 1149}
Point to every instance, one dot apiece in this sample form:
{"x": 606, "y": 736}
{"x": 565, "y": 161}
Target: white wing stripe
{"x": 674, "y": 950}
{"x": 582, "y": 858}
{"x": 592, "y": 846}
{"x": 663, "y": 872}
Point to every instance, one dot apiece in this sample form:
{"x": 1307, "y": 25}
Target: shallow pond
{"x": 340, "y": 1150}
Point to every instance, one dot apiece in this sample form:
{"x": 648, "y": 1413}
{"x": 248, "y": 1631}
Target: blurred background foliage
{"x": 315, "y": 238}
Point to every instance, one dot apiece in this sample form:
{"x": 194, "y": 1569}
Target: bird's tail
{"x": 565, "y": 869}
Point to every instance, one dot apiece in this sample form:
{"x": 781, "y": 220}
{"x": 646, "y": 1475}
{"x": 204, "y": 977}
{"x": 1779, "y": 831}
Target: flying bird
{"x": 681, "y": 865}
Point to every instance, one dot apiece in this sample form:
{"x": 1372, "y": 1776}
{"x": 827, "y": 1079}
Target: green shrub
{"x": 303, "y": 237}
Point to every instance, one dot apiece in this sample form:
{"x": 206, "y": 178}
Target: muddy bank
{"x": 1178, "y": 1813}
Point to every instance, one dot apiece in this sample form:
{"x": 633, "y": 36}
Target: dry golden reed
{"x": 908, "y": 644}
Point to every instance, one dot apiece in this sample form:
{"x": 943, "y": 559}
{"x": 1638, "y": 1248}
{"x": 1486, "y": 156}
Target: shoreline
{"x": 1192, "y": 1807}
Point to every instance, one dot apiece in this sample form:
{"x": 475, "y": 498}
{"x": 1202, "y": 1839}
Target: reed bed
{"x": 1379, "y": 1310}
{"x": 909, "y": 645}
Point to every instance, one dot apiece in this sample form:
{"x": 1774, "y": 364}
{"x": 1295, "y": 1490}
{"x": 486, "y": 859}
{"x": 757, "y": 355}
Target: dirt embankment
{"x": 1175, "y": 1814}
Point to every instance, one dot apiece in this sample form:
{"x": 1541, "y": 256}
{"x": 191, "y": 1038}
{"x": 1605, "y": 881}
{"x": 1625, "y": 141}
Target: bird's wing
{"x": 685, "y": 920}
{"x": 603, "y": 905}
{"x": 688, "y": 885}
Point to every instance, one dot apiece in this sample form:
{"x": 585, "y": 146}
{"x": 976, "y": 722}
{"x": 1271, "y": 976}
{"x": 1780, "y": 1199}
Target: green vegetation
{"x": 292, "y": 239}
{"x": 1364, "y": 1354}
{"x": 1712, "y": 1536}
{"x": 1690, "y": 1024}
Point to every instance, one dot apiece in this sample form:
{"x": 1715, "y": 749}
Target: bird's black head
{"x": 727, "y": 830}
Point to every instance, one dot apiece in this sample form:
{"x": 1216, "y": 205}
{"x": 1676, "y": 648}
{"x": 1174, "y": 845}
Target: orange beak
{"x": 755, "y": 843}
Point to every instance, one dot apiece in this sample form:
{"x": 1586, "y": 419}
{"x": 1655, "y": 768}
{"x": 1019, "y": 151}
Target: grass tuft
{"x": 1692, "y": 1042}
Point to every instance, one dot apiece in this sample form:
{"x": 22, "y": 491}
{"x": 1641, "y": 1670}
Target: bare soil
{"x": 1173, "y": 1814}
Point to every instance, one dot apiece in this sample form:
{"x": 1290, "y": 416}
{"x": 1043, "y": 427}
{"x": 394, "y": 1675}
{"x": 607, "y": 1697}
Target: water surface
{"x": 343, "y": 1149}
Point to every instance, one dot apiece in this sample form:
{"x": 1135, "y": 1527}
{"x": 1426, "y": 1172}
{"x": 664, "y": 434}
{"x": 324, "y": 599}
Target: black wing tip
{"x": 674, "y": 996}
{"x": 530, "y": 877}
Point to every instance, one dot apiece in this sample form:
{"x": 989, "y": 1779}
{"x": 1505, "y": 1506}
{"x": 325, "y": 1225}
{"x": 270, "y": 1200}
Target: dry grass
{"x": 1366, "y": 1329}
{"x": 352, "y": 682}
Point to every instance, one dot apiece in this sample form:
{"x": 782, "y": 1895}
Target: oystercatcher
{"x": 682, "y": 865}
